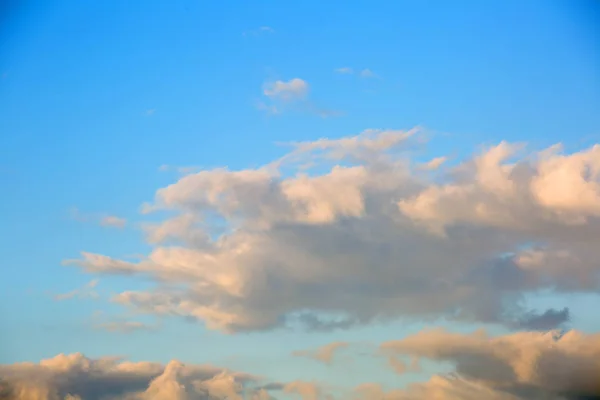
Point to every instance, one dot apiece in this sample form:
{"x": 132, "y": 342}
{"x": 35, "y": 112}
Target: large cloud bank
{"x": 347, "y": 231}
{"x": 523, "y": 365}
{"x": 549, "y": 365}
{"x": 76, "y": 377}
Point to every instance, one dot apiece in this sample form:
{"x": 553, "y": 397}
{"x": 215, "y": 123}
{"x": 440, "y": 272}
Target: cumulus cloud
{"x": 293, "y": 89}
{"x": 523, "y": 365}
{"x": 362, "y": 235}
{"x": 75, "y": 376}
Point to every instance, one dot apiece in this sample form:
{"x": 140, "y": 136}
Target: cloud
{"x": 280, "y": 96}
{"x": 75, "y": 376}
{"x": 344, "y": 70}
{"x": 434, "y": 163}
{"x": 111, "y": 220}
{"x": 367, "y": 73}
{"x": 363, "y": 73}
{"x": 105, "y": 220}
{"x": 323, "y": 354}
{"x": 306, "y": 390}
{"x": 523, "y": 365}
{"x": 123, "y": 326}
{"x": 293, "y": 89}
{"x": 150, "y": 112}
{"x": 361, "y": 235}
{"x": 86, "y": 291}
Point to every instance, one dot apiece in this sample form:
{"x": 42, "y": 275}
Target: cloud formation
{"x": 323, "y": 354}
{"x": 105, "y": 220}
{"x": 74, "y": 376}
{"x": 523, "y": 365}
{"x": 279, "y": 96}
{"x": 364, "y": 235}
{"x": 87, "y": 291}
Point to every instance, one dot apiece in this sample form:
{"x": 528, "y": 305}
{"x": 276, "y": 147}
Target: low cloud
{"x": 75, "y": 376}
{"x": 523, "y": 365}
{"x": 342, "y": 232}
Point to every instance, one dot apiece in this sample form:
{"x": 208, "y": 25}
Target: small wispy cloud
{"x": 86, "y": 292}
{"x": 293, "y": 94}
{"x": 344, "y": 70}
{"x": 433, "y": 164}
{"x": 367, "y": 73}
{"x": 113, "y": 221}
{"x": 259, "y": 31}
{"x": 363, "y": 73}
{"x": 105, "y": 220}
{"x": 150, "y": 112}
{"x": 123, "y": 326}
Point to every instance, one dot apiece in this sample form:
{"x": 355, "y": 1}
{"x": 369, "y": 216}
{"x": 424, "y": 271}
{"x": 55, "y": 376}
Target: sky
{"x": 323, "y": 195}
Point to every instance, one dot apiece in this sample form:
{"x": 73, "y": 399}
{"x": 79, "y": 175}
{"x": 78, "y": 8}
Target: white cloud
{"x": 281, "y": 96}
{"x": 293, "y": 89}
{"x": 362, "y": 235}
{"x": 75, "y": 376}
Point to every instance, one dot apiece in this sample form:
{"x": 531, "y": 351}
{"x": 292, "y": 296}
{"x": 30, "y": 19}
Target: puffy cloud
{"x": 323, "y": 354}
{"x": 293, "y": 89}
{"x": 361, "y": 235}
{"x": 280, "y": 96}
{"x": 75, "y": 376}
{"x": 523, "y": 365}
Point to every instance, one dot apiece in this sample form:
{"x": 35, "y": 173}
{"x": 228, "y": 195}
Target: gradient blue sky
{"x": 96, "y": 96}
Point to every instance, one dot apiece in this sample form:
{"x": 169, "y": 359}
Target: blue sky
{"x": 96, "y": 96}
